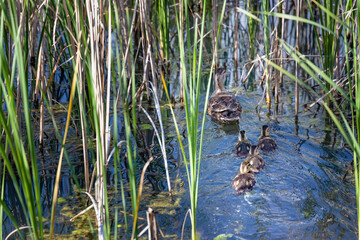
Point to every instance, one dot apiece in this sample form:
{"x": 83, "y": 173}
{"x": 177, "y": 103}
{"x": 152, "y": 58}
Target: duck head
{"x": 254, "y": 150}
{"x": 242, "y": 136}
{"x": 265, "y": 131}
{"x": 245, "y": 167}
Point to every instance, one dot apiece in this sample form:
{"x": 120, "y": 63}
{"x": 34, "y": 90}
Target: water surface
{"x": 298, "y": 194}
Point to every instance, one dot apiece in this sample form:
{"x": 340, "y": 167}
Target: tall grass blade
{"x": 192, "y": 93}
{"x": 22, "y": 147}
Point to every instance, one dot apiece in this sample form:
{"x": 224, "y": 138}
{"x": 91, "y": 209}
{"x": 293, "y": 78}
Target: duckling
{"x": 266, "y": 143}
{"x": 245, "y": 180}
{"x": 222, "y": 105}
{"x": 255, "y": 160}
{"x": 242, "y": 147}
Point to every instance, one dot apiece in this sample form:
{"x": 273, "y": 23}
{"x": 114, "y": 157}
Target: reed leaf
{"x": 192, "y": 92}
{"x": 341, "y": 122}
{"x": 116, "y": 159}
{"x": 22, "y": 148}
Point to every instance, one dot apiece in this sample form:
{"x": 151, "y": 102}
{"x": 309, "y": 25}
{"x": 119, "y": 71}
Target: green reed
{"x": 73, "y": 37}
{"x": 162, "y": 7}
{"x": 328, "y": 43}
{"x": 18, "y": 149}
{"x": 192, "y": 92}
{"x": 253, "y": 27}
{"x": 265, "y": 7}
{"x": 79, "y": 37}
{"x": 122, "y": 51}
{"x": 341, "y": 27}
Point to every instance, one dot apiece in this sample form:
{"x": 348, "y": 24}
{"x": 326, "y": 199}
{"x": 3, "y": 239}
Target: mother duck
{"x": 222, "y": 105}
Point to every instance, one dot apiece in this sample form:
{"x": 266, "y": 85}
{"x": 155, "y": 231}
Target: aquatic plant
{"x": 192, "y": 93}
{"x": 265, "y": 8}
{"x": 18, "y": 157}
{"x": 252, "y": 6}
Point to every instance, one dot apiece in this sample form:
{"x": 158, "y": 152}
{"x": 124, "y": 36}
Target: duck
{"x": 243, "y": 145}
{"x": 255, "y": 160}
{"x": 245, "y": 180}
{"x": 266, "y": 143}
{"x": 222, "y": 105}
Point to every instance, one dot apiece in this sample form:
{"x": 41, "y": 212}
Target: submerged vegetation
{"x": 88, "y": 72}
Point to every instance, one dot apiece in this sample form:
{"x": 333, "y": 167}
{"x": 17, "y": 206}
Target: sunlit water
{"x": 298, "y": 195}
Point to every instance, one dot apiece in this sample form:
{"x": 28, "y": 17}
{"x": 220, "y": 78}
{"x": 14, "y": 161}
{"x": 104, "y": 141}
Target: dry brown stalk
{"x": 139, "y": 195}
{"x": 58, "y": 172}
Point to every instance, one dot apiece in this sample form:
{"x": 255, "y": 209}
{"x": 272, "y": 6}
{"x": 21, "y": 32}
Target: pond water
{"x": 298, "y": 195}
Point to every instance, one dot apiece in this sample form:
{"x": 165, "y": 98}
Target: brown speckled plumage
{"x": 245, "y": 180}
{"x": 243, "y": 145}
{"x": 222, "y": 105}
{"x": 255, "y": 160}
{"x": 266, "y": 143}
